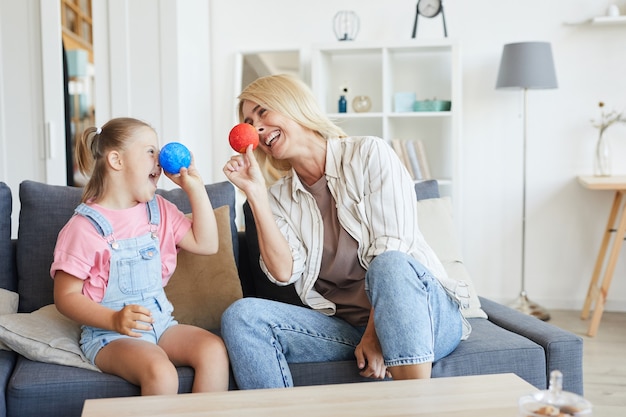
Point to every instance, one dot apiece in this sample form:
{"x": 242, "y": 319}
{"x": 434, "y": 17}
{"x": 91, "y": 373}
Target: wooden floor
{"x": 604, "y": 360}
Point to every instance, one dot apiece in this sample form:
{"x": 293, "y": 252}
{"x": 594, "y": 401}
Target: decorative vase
{"x": 602, "y": 157}
{"x": 346, "y": 25}
{"x": 361, "y": 104}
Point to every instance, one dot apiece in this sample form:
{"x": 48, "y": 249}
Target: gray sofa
{"x": 507, "y": 341}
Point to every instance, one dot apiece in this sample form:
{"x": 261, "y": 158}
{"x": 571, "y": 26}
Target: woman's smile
{"x": 270, "y": 138}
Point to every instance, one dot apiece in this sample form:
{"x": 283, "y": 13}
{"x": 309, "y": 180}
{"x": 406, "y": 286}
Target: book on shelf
{"x": 398, "y": 146}
{"x": 412, "y": 154}
{"x": 423, "y": 161}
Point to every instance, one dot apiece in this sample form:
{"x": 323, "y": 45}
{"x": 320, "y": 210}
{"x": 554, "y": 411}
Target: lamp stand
{"x": 522, "y": 303}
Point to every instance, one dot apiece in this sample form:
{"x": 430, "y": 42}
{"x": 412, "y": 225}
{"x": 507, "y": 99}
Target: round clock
{"x": 429, "y": 8}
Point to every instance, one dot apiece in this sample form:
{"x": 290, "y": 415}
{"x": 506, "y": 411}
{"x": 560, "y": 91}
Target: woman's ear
{"x": 114, "y": 160}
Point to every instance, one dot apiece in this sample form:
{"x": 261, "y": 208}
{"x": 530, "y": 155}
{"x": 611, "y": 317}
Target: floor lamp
{"x": 524, "y": 66}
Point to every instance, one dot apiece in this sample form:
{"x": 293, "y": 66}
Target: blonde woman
{"x": 341, "y": 224}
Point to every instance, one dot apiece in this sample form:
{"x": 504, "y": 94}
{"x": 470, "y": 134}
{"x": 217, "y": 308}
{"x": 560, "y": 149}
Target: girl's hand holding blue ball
{"x": 173, "y": 157}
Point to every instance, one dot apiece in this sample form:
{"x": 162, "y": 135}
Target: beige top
{"x": 342, "y": 278}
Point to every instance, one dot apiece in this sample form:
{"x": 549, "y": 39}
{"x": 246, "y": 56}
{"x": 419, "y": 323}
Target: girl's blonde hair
{"x": 92, "y": 148}
{"x": 291, "y": 97}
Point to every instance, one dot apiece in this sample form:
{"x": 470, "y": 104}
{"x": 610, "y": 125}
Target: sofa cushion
{"x": 7, "y": 363}
{"x": 44, "y": 211}
{"x": 44, "y": 335}
{"x": 44, "y": 389}
{"x": 8, "y": 302}
{"x": 8, "y": 305}
{"x": 260, "y": 285}
{"x": 426, "y": 189}
{"x": 203, "y": 286}
{"x": 437, "y": 226}
{"x": 6, "y": 250}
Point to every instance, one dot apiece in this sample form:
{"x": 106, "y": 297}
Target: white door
{"x": 53, "y": 146}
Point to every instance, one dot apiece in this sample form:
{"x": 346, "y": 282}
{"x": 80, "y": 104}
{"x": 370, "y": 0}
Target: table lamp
{"x": 524, "y": 66}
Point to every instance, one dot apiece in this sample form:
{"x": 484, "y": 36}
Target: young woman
{"x": 115, "y": 255}
{"x": 341, "y": 224}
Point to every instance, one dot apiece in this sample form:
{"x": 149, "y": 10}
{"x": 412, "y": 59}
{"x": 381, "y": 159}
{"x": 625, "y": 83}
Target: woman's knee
{"x": 388, "y": 262}
{"x": 246, "y": 315}
{"x": 396, "y": 274}
{"x": 390, "y": 265}
{"x": 241, "y": 310}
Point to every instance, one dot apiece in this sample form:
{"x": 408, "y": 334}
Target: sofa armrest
{"x": 563, "y": 349}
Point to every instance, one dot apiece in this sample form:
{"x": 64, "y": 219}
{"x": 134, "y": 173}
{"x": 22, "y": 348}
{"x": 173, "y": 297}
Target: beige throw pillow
{"x": 437, "y": 226}
{"x": 8, "y": 305}
{"x": 203, "y": 286}
{"x": 44, "y": 335}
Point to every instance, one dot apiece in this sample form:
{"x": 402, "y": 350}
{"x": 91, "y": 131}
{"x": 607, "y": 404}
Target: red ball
{"x": 243, "y": 135}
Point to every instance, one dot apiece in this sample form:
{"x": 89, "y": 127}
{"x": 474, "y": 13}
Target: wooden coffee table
{"x": 483, "y": 396}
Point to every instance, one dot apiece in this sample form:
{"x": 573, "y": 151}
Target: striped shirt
{"x": 376, "y": 205}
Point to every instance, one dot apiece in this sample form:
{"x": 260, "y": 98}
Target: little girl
{"x": 115, "y": 255}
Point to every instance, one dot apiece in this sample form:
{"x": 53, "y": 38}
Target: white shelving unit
{"x": 430, "y": 69}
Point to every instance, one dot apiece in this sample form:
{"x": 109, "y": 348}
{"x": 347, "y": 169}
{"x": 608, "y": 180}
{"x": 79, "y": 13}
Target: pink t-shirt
{"x": 81, "y": 251}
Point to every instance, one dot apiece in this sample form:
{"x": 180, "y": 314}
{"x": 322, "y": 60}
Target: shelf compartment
{"x": 351, "y": 69}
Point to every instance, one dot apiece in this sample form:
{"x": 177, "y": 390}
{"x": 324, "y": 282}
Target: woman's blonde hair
{"x": 291, "y": 97}
{"x": 93, "y": 146}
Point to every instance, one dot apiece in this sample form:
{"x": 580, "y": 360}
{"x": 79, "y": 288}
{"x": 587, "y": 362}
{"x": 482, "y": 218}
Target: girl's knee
{"x": 162, "y": 369}
{"x": 211, "y": 349}
{"x": 160, "y": 377}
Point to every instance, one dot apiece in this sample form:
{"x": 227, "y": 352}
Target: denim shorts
{"x": 93, "y": 339}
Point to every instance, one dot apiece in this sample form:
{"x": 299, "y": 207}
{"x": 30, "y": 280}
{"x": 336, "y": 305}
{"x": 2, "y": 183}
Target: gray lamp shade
{"x": 527, "y": 65}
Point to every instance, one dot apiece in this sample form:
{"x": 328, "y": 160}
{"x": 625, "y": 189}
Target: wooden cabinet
{"x": 430, "y": 70}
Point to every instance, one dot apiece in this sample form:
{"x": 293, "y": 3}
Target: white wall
{"x": 564, "y": 221}
{"x": 21, "y": 60}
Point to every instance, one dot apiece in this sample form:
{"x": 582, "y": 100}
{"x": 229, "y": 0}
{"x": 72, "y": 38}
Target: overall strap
{"x": 154, "y": 215}
{"x": 101, "y": 224}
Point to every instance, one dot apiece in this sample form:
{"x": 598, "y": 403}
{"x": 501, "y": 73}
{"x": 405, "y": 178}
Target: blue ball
{"x": 173, "y": 157}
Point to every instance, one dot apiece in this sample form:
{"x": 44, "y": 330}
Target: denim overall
{"x": 134, "y": 278}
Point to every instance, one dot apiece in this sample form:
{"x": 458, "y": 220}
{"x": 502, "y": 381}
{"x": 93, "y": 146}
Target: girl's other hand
{"x": 132, "y": 317}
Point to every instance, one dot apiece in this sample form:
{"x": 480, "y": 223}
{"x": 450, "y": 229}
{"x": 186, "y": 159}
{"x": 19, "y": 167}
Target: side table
{"x": 616, "y": 228}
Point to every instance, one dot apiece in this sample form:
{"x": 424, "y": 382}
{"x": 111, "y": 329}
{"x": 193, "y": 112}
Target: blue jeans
{"x": 416, "y": 322}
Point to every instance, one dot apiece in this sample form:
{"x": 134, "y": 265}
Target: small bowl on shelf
{"x": 432, "y": 105}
